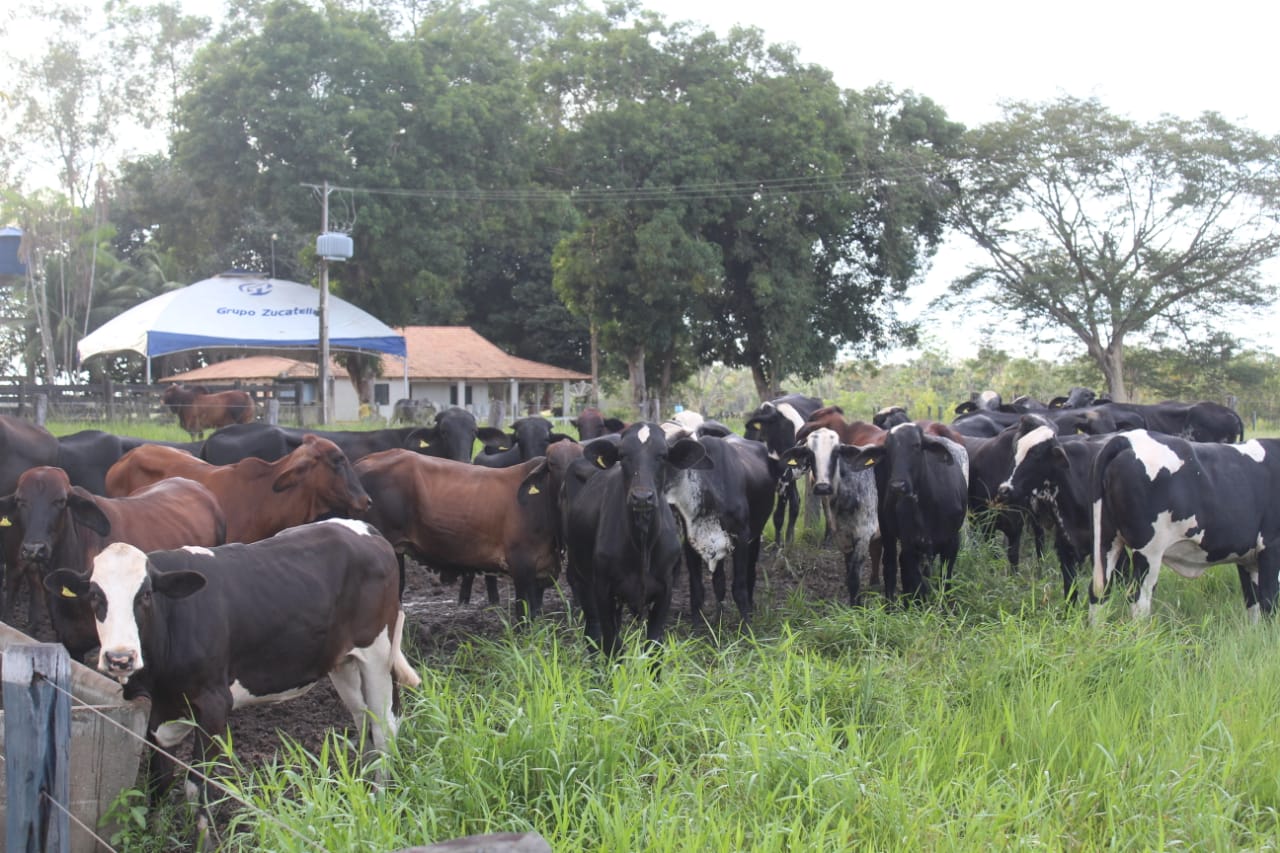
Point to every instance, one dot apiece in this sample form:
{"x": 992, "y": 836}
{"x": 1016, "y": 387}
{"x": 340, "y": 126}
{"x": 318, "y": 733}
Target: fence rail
{"x": 108, "y": 401}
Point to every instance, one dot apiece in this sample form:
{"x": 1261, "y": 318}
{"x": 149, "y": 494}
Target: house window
{"x": 453, "y": 396}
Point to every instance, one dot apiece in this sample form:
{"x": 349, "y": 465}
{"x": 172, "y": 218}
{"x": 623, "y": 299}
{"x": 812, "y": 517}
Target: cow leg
{"x": 400, "y": 564}
{"x": 853, "y": 575}
{"x": 1011, "y": 522}
{"x": 743, "y": 568}
{"x": 753, "y": 560}
{"x": 915, "y": 586}
{"x": 528, "y": 592}
{"x": 609, "y": 618}
{"x": 464, "y": 587}
{"x": 364, "y": 683}
{"x": 1268, "y": 580}
{"x": 947, "y": 556}
{"x": 875, "y": 557}
{"x": 1068, "y": 564}
{"x": 491, "y": 588}
{"x": 889, "y": 563}
{"x": 697, "y": 588}
{"x": 1250, "y": 589}
{"x": 1146, "y": 572}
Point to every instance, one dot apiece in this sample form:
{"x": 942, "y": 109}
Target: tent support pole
{"x": 148, "y": 370}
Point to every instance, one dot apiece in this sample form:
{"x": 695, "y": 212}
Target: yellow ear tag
{"x": 753, "y": 426}
{"x": 5, "y": 522}
{"x": 533, "y": 490}
{"x": 868, "y": 463}
{"x": 599, "y": 461}
{"x": 67, "y": 593}
{"x": 422, "y": 443}
{"x": 792, "y": 462}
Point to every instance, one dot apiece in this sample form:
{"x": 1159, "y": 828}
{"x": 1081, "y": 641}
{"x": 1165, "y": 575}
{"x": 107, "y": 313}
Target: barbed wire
{"x": 223, "y": 789}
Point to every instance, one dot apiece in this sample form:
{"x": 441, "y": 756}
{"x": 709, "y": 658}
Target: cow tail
{"x": 1097, "y": 476}
{"x": 1239, "y": 426}
{"x": 401, "y": 670}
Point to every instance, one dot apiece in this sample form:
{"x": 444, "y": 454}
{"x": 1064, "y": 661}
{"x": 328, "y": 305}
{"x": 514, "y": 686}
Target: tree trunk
{"x": 764, "y": 382}
{"x": 639, "y": 385}
{"x": 1112, "y": 363}
{"x": 595, "y": 364}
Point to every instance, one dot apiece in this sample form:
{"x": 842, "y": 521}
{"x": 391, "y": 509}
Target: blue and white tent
{"x": 239, "y": 310}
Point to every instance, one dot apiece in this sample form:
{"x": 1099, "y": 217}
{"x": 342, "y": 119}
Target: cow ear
{"x": 796, "y": 459}
{"x": 603, "y": 452}
{"x": 1058, "y": 403}
{"x": 178, "y": 584}
{"x": 420, "y": 439}
{"x": 292, "y": 474}
{"x": 614, "y": 425}
{"x": 8, "y": 506}
{"x": 535, "y": 483}
{"x": 559, "y": 436}
{"x": 714, "y": 428}
{"x": 688, "y": 453}
{"x": 86, "y": 512}
{"x": 67, "y": 583}
{"x": 491, "y": 435}
{"x": 864, "y": 457}
{"x": 939, "y": 450}
{"x": 1059, "y": 456}
{"x": 966, "y": 407}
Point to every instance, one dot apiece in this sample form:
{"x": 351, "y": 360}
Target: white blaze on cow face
{"x": 643, "y": 434}
{"x": 1251, "y": 448}
{"x": 823, "y": 443}
{"x": 789, "y": 412}
{"x": 1029, "y": 442}
{"x": 119, "y": 572}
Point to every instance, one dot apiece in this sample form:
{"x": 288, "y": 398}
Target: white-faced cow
{"x": 776, "y": 423}
{"x": 851, "y": 494}
{"x": 623, "y": 544}
{"x": 723, "y": 510}
{"x": 922, "y": 488}
{"x": 64, "y": 526}
{"x": 204, "y": 630}
{"x": 1188, "y": 505}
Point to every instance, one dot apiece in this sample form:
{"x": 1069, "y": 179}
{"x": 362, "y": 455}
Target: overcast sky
{"x": 1140, "y": 59}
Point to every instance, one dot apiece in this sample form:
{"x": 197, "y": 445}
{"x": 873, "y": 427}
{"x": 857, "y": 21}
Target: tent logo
{"x": 256, "y": 288}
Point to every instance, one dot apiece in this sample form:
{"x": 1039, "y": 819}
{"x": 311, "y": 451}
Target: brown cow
{"x": 65, "y": 526}
{"x": 467, "y": 518}
{"x": 198, "y": 409}
{"x": 259, "y": 498}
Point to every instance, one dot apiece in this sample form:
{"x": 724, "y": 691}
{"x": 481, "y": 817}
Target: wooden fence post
{"x": 37, "y": 738}
{"x": 109, "y": 391}
{"x": 42, "y": 409}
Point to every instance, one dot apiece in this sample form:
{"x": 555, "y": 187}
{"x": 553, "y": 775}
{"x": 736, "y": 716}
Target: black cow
{"x": 1204, "y": 421}
{"x": 1091, "y": 420}
{"x": 1051, "y": 475}
{"x": 1190, "y": 505}
{"x": 890, "y": 416}
{"x": 87, "y": 455}
{"x": 592, "y": 423}
{"x": 452, "y": 437}
{"x": 622, "y": 542}
{"x": 984, "y": 401}
{"x": 204, "y": 630}
{"x": 922, "y": 488}
{"x": 990, "y": 462}
{"x": 852, "y": 505}
{"x": 776, "y": 423}
{"x": 1076, "y": 398}
{"x": 23, "y": 445}
{"x": 529, "y": 437}
{"x": 724, "y": 510}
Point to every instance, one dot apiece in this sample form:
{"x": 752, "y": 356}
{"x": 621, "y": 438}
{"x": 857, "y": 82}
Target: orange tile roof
{"x": 458, "y": 352}
{"x": 255, "y": 368}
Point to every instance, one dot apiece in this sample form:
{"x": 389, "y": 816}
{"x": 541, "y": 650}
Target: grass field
{"x": 992, "y": 720}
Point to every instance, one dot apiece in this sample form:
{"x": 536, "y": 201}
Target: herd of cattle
{"x": 250, "y": 564}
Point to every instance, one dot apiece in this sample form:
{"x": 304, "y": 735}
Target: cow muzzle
{"x": 900, "y": 488}
{"x": 822, "y": 489}
{"x": 641, "y": 501}
{"x": 119, "y": 664}
{"x": 1004, "y": 494}
{"x": 35, "y": 552}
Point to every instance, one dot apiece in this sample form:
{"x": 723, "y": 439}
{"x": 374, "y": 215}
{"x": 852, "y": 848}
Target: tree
{"x": 1103, "y": 227}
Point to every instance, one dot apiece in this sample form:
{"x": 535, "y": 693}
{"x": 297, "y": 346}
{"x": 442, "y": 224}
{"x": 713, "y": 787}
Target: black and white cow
{"x": 622, "y": 541}
{"x": 1051, "y": 475}
{"x": 851, "y": 489}
{"x": 1189, "y": 505}
{"x": 776, "y": 423}
{"x": 990, "y": 462}
{"x": 723, "y": 509}
{"x": 922, "y": 488}
{"x": 204, "y": 630}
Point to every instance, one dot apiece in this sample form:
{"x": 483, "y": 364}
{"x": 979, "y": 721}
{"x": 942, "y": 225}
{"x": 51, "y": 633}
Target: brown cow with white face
{"x": 258, "y": 498}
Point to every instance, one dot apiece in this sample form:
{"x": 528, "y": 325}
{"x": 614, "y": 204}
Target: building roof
{"x": 256, "y": 369}
{"x": 448, "y": 353}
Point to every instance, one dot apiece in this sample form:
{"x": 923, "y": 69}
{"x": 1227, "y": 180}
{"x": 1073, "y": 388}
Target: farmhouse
{"x": 448, "y": 366}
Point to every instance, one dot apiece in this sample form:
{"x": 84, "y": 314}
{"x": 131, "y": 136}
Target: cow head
{"x": 121, "y": 589}
{"x": 643, "y": 454}
{"x": 1037, "y": 455}
{"x": 42, "y": 505}
{"x": 890, "y": 417}
{"x": 321, "y": 471}
{"x": 904, "y": 450}
{"x": 451, "y": 437}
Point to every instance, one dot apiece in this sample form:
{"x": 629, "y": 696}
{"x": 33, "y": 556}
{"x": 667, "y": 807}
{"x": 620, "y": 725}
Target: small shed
{"x": 456, "y": 366}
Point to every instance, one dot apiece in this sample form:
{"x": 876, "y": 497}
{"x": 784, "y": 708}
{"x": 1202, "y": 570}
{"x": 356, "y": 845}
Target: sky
{"x": 1140, "y": 59}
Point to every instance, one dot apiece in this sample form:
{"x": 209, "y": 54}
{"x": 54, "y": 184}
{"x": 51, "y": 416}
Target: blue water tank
{"x": 10, "y": 238}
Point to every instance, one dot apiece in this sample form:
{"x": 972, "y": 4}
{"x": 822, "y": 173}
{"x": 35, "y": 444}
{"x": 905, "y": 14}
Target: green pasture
{"x": 994, "y": 719}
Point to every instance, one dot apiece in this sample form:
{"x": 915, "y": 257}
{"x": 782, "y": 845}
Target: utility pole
{"x": 324, "y": 312}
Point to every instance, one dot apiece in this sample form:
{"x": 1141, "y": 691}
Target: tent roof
{"x": 239, "y": 310}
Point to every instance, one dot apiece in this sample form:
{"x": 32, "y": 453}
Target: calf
{"x": 204, "y": 630}
{"x": 622, "y": 542}
{"x": 468, "y": 519}
{"x": 64, "y": 526}
{"x": 776, "y": 423}
{"x": 198, "y": 409}
{"x": 922, "y": 488}
{"x": 851, "y": 494}
{"x": 1190, "y": 505}
{"x": 258, "y": 498}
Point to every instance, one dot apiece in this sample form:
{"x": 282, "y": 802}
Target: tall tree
{"x": 1103, "y": 227}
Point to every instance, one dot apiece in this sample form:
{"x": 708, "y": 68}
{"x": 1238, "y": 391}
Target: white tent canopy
{"x": 239, "y": 310}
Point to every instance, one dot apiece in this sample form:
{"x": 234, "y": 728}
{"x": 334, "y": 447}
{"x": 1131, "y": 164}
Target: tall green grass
{"x": 995, "y": 718}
